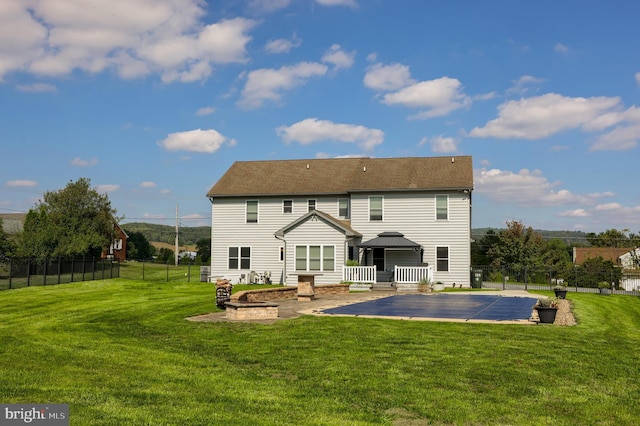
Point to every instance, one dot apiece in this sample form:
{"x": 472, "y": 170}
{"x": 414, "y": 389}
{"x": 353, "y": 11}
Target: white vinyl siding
{"x": 230, "y": 229}
{"x": 414, "y": 215}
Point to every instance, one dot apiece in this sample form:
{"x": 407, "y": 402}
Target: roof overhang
{"x": 390, "y": 240}
{"x": 324, "y": 217}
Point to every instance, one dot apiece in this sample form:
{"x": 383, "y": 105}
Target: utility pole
{"x": 176, "y": 256}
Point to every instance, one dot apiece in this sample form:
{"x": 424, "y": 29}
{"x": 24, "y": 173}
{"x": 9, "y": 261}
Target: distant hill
{"x": 569, "y": 237}
{"x": 189, "y": 235}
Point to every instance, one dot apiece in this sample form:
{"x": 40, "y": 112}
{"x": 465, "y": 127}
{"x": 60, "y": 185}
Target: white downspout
{"x": 284, "y": 260}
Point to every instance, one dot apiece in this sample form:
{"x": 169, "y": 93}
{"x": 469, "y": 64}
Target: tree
{"x": 203, "y": 249}
{"x": 73, "y": 221}
{"x": 612, "y": 238}
{"x": 6, "y": 245}
{"x": 480, "y": 249}
{"x": 165, "y": 255}
{"x": 517, "y": 247}
{"x": 138, "y": 247}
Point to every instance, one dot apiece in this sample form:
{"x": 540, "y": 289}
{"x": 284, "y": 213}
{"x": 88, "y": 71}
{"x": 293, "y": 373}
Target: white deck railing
{"x": 412, "y": 274}
{"x": 359, "y": 274}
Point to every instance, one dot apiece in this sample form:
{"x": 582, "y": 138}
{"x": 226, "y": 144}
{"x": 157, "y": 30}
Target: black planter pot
{"x": 561, "y": 294}
{"x": 547, "y": 315}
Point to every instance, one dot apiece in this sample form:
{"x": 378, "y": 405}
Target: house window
{"x": 328, "y": 260}
{"x": 315, "y": 258}
{"x": 343, "y": 208}
{"x": 239, "y": 257}
{"x": 312, "y": 204}
{"x": 375, "y": 207}
{"x": 252, "y": 211}
{"x": 287, "y": 206}
{"x": 442, "y": 207}
{"x": 442, "y": 259}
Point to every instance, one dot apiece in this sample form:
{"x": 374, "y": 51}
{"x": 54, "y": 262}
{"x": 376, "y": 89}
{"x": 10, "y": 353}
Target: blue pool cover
{"x": 450, "y": 306}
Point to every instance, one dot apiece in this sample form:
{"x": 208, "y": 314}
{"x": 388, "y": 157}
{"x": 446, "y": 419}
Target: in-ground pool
{"x": 445, "y": 305}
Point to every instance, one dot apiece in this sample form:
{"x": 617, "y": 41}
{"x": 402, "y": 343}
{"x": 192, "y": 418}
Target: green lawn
{"x": 120, "y": 352}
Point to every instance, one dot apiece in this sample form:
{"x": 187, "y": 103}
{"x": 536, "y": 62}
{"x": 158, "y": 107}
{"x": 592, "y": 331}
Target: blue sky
{"x": 154, "y": 99}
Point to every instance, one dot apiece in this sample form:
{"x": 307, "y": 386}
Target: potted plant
{"x": 438, "y": 286}
{"x": 560, "y": 291}
{"x": 424, "y": 286}
{"x": 603, "y": 287}
{"x": 547, "y": 310}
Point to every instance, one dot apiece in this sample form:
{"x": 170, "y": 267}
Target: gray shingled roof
{"x": 344, "y": 175}
{"x": 390, "y": 240}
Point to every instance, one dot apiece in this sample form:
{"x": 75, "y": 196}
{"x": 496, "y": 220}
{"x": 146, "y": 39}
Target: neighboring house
{"x": 580, "y": 254}
{"x": 626, "y": 258}
{"x": 288, "y": 218}
{"x": 117, "y": 250}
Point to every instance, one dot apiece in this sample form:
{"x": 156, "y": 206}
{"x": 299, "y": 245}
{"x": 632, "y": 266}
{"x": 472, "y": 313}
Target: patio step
{"x": 383, "y": 286}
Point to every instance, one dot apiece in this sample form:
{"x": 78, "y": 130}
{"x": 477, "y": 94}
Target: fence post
{"x": 46, "y": 262}
{"x": 59, "y": 269}
{"x": 10, "y": 271}
{"x": 93, "y": 268}
{"x": 84, "y": 262}
{"x": 28, "y": 271}
{"x": 526, "y": 281}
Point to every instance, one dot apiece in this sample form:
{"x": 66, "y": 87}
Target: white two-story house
{"x": 284, "y": 219}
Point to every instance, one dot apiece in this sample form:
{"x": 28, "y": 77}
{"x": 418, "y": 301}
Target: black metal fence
{"x": 576, "y": 278}
{"x": 18, "y": 272}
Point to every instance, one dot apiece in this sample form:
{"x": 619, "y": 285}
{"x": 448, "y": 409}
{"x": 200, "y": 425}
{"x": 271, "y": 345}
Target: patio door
{"x": 378, "y": 258}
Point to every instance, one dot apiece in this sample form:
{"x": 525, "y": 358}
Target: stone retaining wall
{"x": 280, "y": 293}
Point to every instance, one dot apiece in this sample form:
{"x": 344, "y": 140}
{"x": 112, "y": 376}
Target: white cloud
{"x": 525, "y": 188}
{"x": 637, "y": 76}
{"x": 543, "y": 116}
{"x": 134, "y": 39}
{"x": 205, "y": 111}
{"x": 521, "y": 86}
{"x": 440, "y": 96}
{"x": 350, "y": 3}
{"x": 388, "y": 77}
{"x": 37, "y": 88}
{"x": 283, "y": 45}
{"x": 441, "y": 144}
{"x": 267, "y": 84}
{"x": 205, "y": 141}
{"x": 107, "y": 188}
{"x": 574, "y": 213}
{"x": 313, "y": 130}
{"x": 337, "y": 57}
{"x": 619, "y": 139}
{"x": 147, "y": 184}
{"x": 77, "y": 161}
{"x": 21, "y": 183}
{"x": 561, "y": 48}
